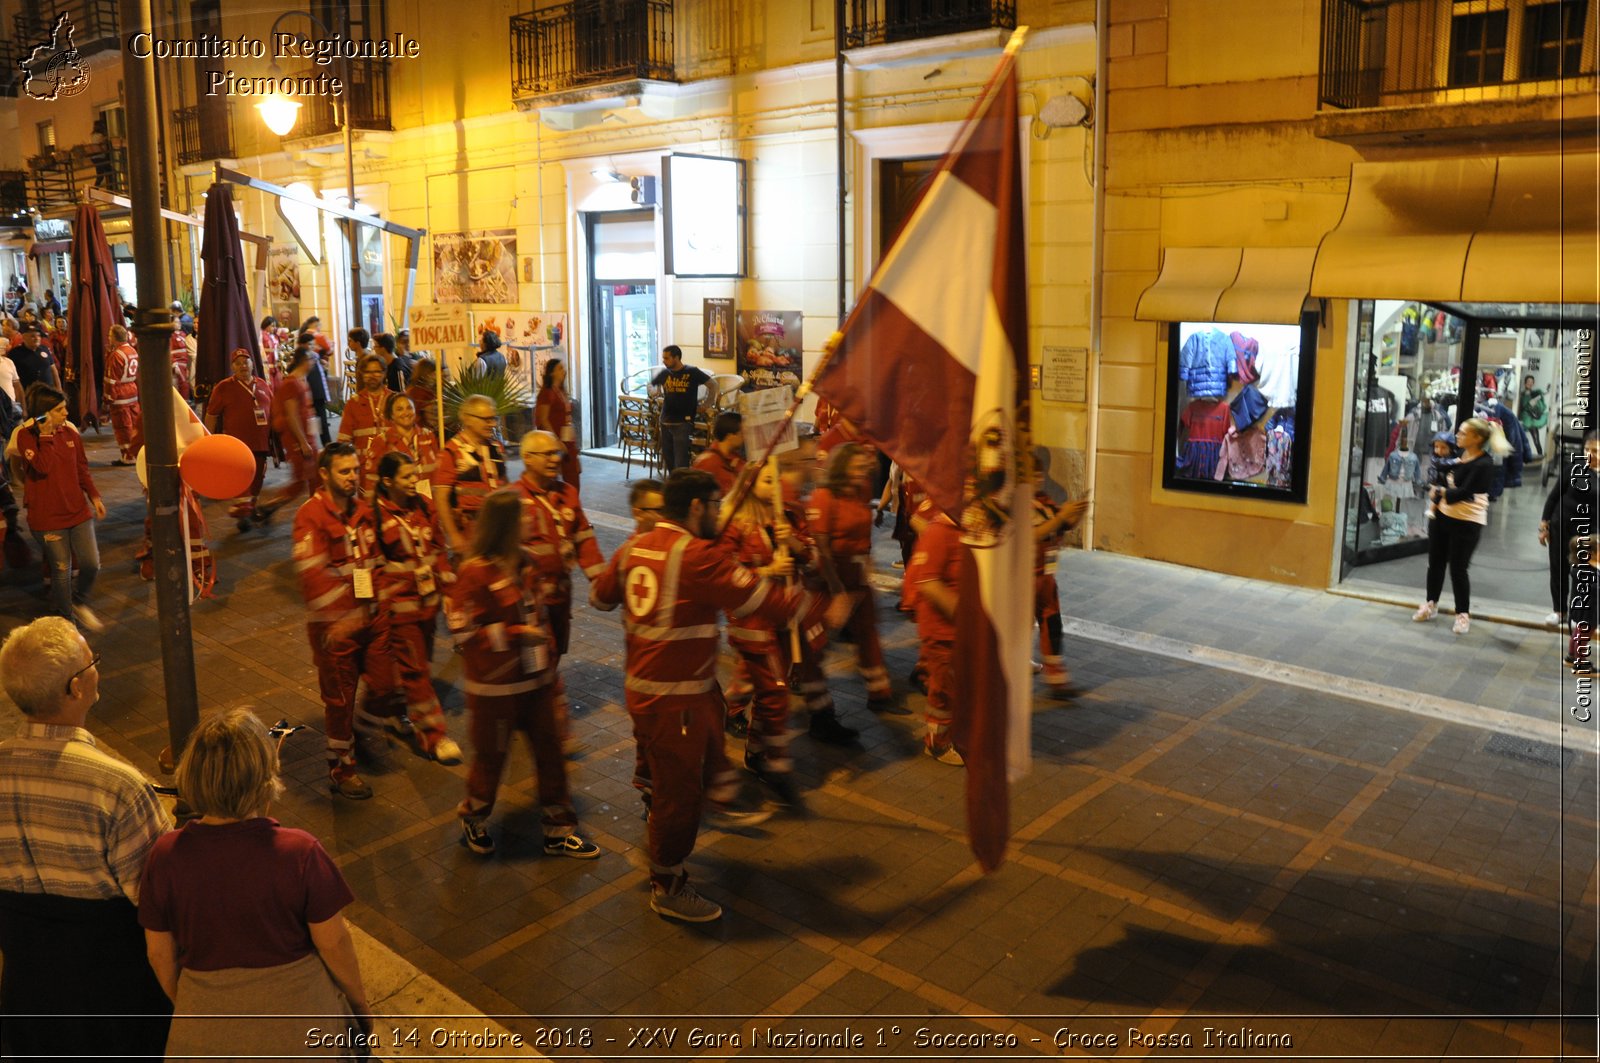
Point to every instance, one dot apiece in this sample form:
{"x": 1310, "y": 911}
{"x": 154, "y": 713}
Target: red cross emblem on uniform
{"x": 643, "y": 589}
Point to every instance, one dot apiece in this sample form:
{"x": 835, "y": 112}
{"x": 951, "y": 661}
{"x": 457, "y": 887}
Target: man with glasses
{"x": 75, "y": 827}
{"x": 472, "y": 466}
{"x": 559, "y": 536}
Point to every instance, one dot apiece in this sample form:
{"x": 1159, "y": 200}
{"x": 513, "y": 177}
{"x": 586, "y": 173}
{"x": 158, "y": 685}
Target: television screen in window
{"x": 1238, "y": 408}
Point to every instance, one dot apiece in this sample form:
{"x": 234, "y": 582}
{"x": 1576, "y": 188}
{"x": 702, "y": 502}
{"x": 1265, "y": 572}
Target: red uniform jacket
{"x": 426, "y": 402}
{"x": 480, "y": 606}
{"x": 329, "y": 545}
{"x": 467, "y": 475}
{"x": 421, "y": 445}
{"x": 243, "y": 412}
{"x": 362, "y": 420}
{"x": 938, "y": 559}
{"x": 672, "y": 585}
{"x": 844, "y": 523}
{"x": 415, "y": 564}
{"x": 55, "y": 478}
{"x": 725, "y": 470}
{"x": 753, "y": 545}
{"x": 122, "y": 376}
{"x": 181, "y": 364}
{"x": 293, "y": 387}
{"x": 1046, "y": 550}
{"x": 559, "y": 537}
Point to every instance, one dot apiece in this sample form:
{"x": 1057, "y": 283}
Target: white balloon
{"x": 187, "y": 426}
{"x": 139, "y": 469}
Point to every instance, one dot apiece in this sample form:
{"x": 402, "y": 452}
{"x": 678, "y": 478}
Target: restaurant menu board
{"x": 476, "y": 266}
{"x": 531, "y": 338}
{"x": 769, "y": 348}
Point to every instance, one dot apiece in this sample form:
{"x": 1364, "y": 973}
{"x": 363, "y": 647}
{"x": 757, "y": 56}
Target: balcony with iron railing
{"x": 588, "y": 43}
{"x": 55, "y": 179}
{"x": 367, "y": 95}
{"x": 203, "y": 132}
{"x": 94, "y": 24}
{"x": 1421, "y": 69}
{"x": 872, "y": 22}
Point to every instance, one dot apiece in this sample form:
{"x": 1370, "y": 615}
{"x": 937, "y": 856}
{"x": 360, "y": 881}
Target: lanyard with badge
{"x": 255, "y": 402}
{"x": 361, "y": 575}
{"x": 563, "y": 546}
{"x": 535, "y": 651}
{"x": 427, "y": 584}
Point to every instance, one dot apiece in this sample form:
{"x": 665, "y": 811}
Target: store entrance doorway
{"x": 1423, "y": 369}
{"x": 623, "y": 337}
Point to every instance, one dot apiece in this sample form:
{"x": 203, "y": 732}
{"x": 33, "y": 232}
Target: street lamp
{"x": 280, "y": 112}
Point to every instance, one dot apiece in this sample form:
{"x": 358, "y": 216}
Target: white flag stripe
{"x": 1005, "y": 572}
{"x": 929, "y": 275}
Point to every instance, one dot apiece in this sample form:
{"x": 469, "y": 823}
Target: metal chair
{"x": 638, "y": 429}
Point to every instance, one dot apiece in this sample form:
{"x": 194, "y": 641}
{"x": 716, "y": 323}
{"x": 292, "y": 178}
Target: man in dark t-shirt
{"x": 33, "y": 360}
{"x": 678, "y": 386}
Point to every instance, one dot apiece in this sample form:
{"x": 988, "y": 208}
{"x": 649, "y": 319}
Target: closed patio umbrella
{"x": 92, "y": 308}
{"x": 226, "y": 319}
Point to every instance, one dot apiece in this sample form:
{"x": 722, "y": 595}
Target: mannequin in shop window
{"x": 1534, "y": 413}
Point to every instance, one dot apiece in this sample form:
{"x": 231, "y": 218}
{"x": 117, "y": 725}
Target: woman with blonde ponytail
{"x": 1461, "y": 510}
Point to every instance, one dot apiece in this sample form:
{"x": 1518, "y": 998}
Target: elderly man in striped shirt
{"x": 75, "y": 827}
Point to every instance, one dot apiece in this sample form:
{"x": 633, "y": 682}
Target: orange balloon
{"x": 217, "y": 466}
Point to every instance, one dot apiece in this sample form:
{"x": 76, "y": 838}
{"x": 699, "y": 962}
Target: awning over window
{"x": 1517, "y": 228}
{"x": 1258, "y": 284}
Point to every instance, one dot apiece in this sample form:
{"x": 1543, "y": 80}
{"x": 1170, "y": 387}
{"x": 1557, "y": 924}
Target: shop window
{"x": 1238, "y": 417}
{"x": 1478, "y": 48}
{"x": 47, "y": 137}
{"x": 1552, "y": 39}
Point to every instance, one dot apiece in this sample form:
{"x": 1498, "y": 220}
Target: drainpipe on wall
{"x": 1102, "y": 26}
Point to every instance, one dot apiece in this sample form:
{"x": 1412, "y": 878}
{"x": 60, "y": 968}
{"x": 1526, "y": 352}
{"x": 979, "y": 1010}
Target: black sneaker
{"x": 738, "y": 726}
{"x": 825, "y": 727}
{"x": 919, "y": 680}
{"x": 475, "y": 836}
{"x": 781, "y": 783}
{"x": 573, "y": 846}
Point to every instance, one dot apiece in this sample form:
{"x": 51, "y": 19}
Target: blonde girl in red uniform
{"x": 508, "y": 655}
{"x": 414, "y": 568}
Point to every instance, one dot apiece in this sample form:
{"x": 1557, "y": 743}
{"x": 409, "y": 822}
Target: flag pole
{"x": 1014, "y": 45}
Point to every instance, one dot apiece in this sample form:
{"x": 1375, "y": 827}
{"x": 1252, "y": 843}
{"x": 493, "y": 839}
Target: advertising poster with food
{"x": 531, "y": 338}
{"x": 769, "y": 348}
{"x": 477, "y": 266}
{"x": 283, "y": 285}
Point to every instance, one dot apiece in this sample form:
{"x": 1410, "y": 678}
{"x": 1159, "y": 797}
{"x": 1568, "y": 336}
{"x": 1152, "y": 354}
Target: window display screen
{"x": 1238, "y": 408}
{"x": 704, "y": 215}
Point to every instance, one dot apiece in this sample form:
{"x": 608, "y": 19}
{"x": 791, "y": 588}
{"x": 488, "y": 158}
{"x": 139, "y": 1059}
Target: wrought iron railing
{"x": 1385, "y": 53}
{"x": 55, "y": 179}
{"x": 590, "y": 42}
{"x": 94, "y": 23}
{"x": 367, "y": 96}
{"x": 884, "y": 21}
{"x": 203, "y": 132}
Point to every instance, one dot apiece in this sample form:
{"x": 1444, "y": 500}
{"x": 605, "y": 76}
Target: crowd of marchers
{"x": 394, "y": 528}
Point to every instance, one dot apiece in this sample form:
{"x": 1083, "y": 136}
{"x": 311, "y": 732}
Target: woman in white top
{"x": 1461, "y": 509}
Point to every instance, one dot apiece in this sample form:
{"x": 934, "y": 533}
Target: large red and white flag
{"x": 932, "y": 367}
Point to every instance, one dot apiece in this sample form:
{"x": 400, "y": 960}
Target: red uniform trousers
{"x": 302, "y": 472}
{"x": 1047, "y": 611}
{"x": 127, "y": 425}
{"x": 863, "y": 627}
{"x": 492, "y": 719}
{"x": 641, "y": 767}
{"x": 938, "y": 660}
{"x": 768, "y": 737}
{"x": 403, "y": 668}
{"x": 341, "y": 665}
{"x": 560, "y": 614}
{"x": 687, "y": 766}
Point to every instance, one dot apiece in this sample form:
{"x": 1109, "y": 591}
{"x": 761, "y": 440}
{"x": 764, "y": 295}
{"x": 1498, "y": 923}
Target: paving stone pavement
{"x": 1283, "y": 816}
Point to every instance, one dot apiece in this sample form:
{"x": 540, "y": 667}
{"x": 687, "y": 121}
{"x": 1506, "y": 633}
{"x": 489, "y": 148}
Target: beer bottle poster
{"x": 718, "y": 322}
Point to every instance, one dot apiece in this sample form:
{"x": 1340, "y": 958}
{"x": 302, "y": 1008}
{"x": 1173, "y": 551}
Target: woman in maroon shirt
{"x": 49, "y": 462}
{"x": 242, "y": 916}
{"x": 552, "y": 412}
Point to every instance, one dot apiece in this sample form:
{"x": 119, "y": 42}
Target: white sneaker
{"x": 445, "y": 751}
{"x": 685, "y": 905}
{"x": 1552, "y": 620}
{"x": 1425, "y": 612}
{"x": 87, "y": 619}
{"x": 1463, "y": 622}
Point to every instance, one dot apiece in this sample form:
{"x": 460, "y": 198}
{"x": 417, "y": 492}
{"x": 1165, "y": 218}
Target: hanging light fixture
{"x": 279, "y": 112}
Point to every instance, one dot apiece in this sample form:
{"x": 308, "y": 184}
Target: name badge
{"x": 363, "y": 583}
{"x": 535, "y": 656}
{"x": 261, "y": 417}
{"x": 425, "y": 581}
